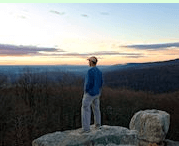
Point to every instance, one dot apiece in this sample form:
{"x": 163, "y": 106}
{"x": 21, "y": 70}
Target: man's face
{"x": 90, "y": 63}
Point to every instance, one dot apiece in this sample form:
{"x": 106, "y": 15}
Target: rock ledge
{"x": 108, "y": 136}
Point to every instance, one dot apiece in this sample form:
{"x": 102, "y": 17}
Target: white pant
{"x": 87, "y": 101}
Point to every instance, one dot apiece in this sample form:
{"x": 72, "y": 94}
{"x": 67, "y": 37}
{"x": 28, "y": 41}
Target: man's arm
{"x": 89, "y": 82}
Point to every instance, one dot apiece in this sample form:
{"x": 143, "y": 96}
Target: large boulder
{"x": 107, "y": 136}
{"x": 152, "y": 126}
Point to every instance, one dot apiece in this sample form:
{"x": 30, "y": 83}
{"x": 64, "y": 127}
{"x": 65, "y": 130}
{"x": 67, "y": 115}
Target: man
{"x": 92, "y": 91}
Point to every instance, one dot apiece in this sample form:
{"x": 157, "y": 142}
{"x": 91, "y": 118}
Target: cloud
{"x": 84, "y": 15}
{"x": 56, "y": 12}
{"x": 21, "y": 17}
{"x": 104, "y": 13}
{"x": 114, "y": 53}
{"x": 12, "y": 50}
{"x": 154, "y": 46}
{"x": 7, "y": 60}
{"x": 135, "y": 56}
{"x": 99, "y": 53}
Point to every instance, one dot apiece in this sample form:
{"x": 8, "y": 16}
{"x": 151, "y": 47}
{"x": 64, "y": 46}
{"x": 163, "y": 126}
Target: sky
{"x": 69, "y": 33}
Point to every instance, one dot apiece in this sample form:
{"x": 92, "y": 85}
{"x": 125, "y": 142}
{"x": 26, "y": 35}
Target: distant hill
{"x": 157, "y": 77}
{"x": 140, "y": 65}
{"x": 53, "y": 73}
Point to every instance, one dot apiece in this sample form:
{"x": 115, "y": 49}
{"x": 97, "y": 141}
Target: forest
{"x": 34, "y": 106}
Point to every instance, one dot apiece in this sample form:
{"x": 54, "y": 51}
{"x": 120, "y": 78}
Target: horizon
{"x": 69, "y": 33}
{"x": 96, "y": 65}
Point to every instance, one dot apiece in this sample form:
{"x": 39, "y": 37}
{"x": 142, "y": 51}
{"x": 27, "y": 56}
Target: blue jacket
{"x": 93, "y": 81}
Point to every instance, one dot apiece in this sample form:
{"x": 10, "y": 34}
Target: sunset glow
{"x": 55, "y": 34}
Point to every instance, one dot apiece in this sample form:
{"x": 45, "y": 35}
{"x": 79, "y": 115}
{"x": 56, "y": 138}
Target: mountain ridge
{"x": 155, "y": 77}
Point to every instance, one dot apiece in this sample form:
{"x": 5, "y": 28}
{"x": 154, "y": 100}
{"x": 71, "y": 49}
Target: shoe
{"x": 97, "y": 127}
{"x": 84, "y": 131}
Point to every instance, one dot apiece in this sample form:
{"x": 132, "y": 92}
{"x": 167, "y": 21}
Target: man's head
{"x": 92, "y": 61}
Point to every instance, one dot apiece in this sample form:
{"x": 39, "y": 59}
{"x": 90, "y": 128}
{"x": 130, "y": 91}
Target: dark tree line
{"x": 157, "y": 79}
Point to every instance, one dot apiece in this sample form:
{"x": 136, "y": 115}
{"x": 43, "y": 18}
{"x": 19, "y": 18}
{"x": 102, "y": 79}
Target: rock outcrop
{"x": 147, "y": 128}
{"x": 107, "y": 135}
{"x": 152, "y": 126}
{"x": 171, "y": 143}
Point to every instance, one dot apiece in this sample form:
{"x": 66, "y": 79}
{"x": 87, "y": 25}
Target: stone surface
{"x": 147, "y": 127}
{"x": 152, "y": 126}
{"x": 107, "y": 136}
{"x": 111, "y": 144}
{"x": 171, "y": 143}
{"x": 147, "y": 143}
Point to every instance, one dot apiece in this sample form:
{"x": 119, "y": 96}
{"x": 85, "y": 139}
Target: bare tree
{"x": 26, "y": 83}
